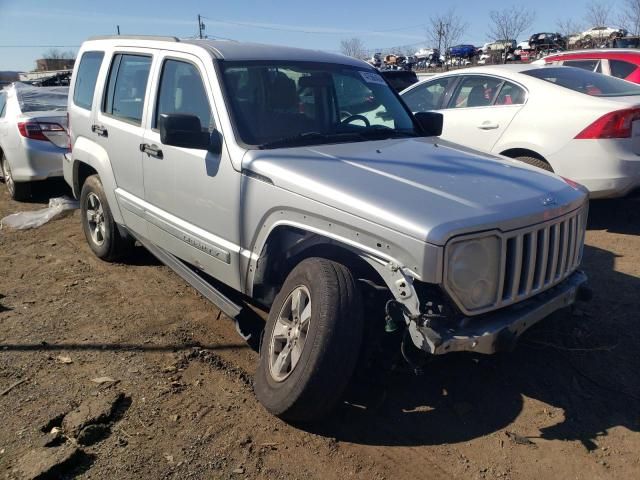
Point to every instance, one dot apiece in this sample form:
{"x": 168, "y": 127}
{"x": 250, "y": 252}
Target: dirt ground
{"x": 179, "y": 402}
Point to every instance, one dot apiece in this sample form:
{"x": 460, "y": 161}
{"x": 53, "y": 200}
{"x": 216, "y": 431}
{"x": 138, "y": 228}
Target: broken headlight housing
{"x": 472, "y": 271}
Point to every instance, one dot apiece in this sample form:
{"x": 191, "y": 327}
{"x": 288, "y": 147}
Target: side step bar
{"x": 226, "y": 305}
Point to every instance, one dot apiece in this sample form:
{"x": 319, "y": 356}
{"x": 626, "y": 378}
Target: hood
{"x": 428, "y": 190}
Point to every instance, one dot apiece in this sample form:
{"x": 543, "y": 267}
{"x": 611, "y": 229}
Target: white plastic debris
{"x": 37, "y": 218}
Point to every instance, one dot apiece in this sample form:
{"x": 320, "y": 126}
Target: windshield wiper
{"x": 307, "y": 138}
{"x": 382, "y": 132}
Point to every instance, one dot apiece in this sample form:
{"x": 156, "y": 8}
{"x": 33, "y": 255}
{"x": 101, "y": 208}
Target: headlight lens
{"x": 474, "y": 271}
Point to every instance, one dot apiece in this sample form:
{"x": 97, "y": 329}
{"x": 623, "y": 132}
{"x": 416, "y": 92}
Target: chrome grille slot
{"x": 538, "y": 257}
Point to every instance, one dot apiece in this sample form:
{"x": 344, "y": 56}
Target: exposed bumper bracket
{"x": 498, "y": 331}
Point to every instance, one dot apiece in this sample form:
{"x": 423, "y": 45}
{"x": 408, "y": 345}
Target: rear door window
{"x": 182, "y": 91}
{"x": 86, "y": 78}
{"x": 475, "y": 91}
{"x": 3, "y": 102}
{"x": 427, "y": 96}
{"x": 621, "y": 69}
{"x": 510, "y": 94}
{"x": 127, "y": 86}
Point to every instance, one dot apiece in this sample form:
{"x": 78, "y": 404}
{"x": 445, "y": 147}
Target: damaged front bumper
{"x": 498, "y": 330}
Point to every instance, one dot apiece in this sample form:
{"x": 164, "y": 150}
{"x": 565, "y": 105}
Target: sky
{"x": 30, "y": 27}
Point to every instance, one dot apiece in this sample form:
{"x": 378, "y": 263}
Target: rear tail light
{"x": 611, "y": 125}
{"x": 46, "y": 131}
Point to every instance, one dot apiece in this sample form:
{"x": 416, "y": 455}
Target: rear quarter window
{"x": 621, "y": 69}
{"x": 86, "y": 78}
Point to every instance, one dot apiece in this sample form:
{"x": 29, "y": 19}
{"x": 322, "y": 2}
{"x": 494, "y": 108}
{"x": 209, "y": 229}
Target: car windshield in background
{"x": 589, "y": 83}
{"x": 285, "y": 104}
{"x": 41, "y": 99}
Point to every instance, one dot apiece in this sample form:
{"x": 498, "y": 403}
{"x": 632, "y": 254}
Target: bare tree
{"x": 353, "y": 47}
{"x": 56, "y": 54}
{"x": 510, "y": 23}
{"x": 569, "y": 26}
{"x": 598, "y": 14}
{"x": 629, "y": 18}
{"x": 445, "y": 30}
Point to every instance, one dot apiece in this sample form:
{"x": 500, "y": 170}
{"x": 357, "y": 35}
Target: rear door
{"x": 118, "y": 127}
{"x": 480, "y": 109}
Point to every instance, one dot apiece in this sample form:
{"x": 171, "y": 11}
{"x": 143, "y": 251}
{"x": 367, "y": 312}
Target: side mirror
{"x": 430, "y": 123}
{"x": 184, "y": 130}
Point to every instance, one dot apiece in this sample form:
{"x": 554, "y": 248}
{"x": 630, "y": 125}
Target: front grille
{"x": 538, "y": 257}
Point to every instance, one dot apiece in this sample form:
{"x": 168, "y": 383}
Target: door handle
{"x": 151, "y": 150}
{"x": 100, "y": 130}
{"x": 488, "y": 126}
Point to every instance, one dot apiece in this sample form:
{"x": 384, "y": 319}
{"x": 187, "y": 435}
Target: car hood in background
{"x": 430, "y": 191}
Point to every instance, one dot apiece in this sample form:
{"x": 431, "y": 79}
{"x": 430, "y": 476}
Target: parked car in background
{"x": 620, "y": 63}
{"x": 500, "y": 45}
{"x": 200, "y": 149}
{"x": 625, "y": 42}
{"x": 546, "y": 40}
{"x": 33, "y": 135}
{"x": 462, "y": 51}
{"x": 600, "y": 34}
{"x": 399, "y": 79}
{"x": 578, "y": 124}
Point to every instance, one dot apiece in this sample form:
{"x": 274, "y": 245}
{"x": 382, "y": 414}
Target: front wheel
{"x": 311, "y": 341}
{"x": 100, "y": 230}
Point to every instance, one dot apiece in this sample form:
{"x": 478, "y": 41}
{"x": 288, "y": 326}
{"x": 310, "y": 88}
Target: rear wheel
{"x": 100, "y": 230}
{"x": 18, "y": 191}
{"x": 311, "y": 342}
{"x": 536, "y": 162}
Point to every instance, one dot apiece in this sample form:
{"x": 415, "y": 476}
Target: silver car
{"x": 299, "y": 179}
{"x": 33, "y": 135}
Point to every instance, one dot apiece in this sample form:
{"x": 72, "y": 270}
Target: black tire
{"x": 331, "y": 349}
{"x": 536, "y": 162}
{"x": 109, "y": 245}
{"x": 17, "y": 191}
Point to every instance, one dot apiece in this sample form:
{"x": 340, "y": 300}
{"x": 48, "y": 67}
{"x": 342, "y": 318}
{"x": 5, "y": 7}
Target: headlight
{"x": 473, "y": 271}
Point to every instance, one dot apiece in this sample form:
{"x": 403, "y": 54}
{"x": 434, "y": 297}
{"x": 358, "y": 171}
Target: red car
{"x": 618, "y": 62}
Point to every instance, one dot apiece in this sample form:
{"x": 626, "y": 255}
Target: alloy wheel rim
{"x": 95, "y": 218}
{"x": 289, "y": 334}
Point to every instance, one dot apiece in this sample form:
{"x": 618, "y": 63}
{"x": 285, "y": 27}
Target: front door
{"x": 191, "y": 195}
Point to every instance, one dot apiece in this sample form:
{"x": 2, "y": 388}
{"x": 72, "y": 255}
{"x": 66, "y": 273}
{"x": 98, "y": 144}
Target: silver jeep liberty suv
{"x": 300, "y": 180}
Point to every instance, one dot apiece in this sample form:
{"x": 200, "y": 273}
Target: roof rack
{"x": 136, "y": 37}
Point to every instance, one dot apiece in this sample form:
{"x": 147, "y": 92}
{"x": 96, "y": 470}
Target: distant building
{"x": 54, "y": 64}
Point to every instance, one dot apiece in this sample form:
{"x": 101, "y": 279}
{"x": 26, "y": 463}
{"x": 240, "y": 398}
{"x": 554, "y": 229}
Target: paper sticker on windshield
{"x": 371, "y": 77}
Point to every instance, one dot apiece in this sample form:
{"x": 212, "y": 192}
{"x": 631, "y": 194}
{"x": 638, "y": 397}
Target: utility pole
{"x": 118, "y": 28}
{"x": 200, "y": 25}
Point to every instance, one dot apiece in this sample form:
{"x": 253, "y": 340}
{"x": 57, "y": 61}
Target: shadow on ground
{"x": 618, "y": 215}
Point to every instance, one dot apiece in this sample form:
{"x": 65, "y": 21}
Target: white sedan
{"x": 33, "y": 135}
{"x": 578, "y": 124}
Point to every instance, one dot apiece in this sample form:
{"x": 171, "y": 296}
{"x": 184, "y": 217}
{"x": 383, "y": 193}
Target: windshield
{"x": 280, "y": 104}
{"x": 583, "y": 81}
{"x": 40, "y": 99}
